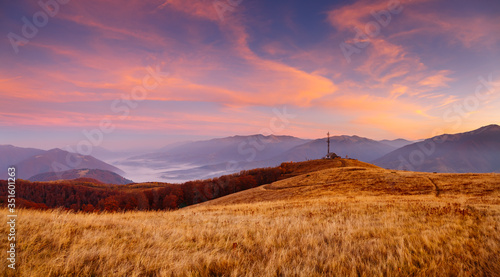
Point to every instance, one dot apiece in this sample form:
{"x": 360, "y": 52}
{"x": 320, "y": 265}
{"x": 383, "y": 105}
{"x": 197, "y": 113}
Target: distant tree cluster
{"x": 82, "y": 195}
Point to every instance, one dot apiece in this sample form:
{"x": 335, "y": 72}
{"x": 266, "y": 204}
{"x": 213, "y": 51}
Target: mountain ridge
{"x": 56, "y": 160}
{"x": 103, "y": 176}
{"x": 476, "y": 151}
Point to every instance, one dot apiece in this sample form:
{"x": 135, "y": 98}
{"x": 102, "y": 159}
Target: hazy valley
{"x": 477, "y": 151}
{"x": 278, "y": 211}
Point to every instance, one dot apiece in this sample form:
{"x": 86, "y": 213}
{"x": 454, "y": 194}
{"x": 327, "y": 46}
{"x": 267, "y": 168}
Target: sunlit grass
{"x": 335, "y": 222}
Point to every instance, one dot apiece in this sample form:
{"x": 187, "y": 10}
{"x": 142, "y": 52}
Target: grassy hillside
{"x": 361, "y": 179}
{"x": 101, "y": 176}
{"x": 84, "y": 194}
{"x": 353, "y": 220}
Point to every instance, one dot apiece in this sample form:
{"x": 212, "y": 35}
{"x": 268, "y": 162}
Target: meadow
{"x": 357, "y": 220}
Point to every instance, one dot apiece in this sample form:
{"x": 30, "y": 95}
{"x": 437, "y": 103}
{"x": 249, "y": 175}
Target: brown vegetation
{"x": 347, "y": 221}
{"x": 82, "y": 195}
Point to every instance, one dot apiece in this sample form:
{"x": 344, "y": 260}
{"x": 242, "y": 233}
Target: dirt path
{"x": 438, "y": 191}
{"x": 343, "y": 163}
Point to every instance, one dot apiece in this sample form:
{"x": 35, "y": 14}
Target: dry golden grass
{"x": 350, "y": 221}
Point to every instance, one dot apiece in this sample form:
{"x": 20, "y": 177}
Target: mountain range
{"x": 476, "y": 151}
{"x": 11, "y": 155}
{"x": 215, "y": 157}
{"x": 31, "y": 162}
{"x": 221, "y": 150}
{"x": 360, "y": 148}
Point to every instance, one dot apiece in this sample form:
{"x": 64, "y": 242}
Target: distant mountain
{"x": 396, "y": 143}
{"x": 211, "y": 158}
{"x": 58, "y": 160}
{"x": 221, "y": 150}
{"x": 103, "y": 176}
{"x": 360, "y": 148}
{"x": 477, "y": 151}
{"x": 104, "y": 154}
{"x": 353, "y": 146}
{"x": 173, "y": 145}
{"x": 11, "y": 155}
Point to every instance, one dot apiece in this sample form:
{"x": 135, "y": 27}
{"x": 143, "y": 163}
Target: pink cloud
{"x": 388, "y": 81}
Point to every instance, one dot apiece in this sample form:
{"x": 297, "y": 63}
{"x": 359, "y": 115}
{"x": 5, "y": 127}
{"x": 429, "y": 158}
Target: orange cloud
{"x": 475, "y": 31}
{"x": 202, "y": 9}
{"x": 437, "y": 80}
{"x": 389, "y": 86}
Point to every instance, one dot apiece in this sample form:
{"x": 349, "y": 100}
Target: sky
{"x": 146, "y": 73}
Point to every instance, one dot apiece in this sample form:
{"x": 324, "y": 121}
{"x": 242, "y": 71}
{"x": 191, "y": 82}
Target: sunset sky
{"x": 231, "y": 63}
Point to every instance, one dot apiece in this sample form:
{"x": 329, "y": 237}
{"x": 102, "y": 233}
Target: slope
{"x": 477, "y": 151}
{"x": 11, "y": 155}
{"x": 103, "y": 176}
{"x": 56, "y": 160}
{"x": 350, "y": 178}
{"x": 349, "y": 220}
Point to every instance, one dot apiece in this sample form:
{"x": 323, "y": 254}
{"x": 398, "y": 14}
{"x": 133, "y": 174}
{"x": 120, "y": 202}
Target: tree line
{"x": 83, "y": 195}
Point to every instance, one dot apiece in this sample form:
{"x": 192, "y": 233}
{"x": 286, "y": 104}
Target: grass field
{"x": 351, "y": 220}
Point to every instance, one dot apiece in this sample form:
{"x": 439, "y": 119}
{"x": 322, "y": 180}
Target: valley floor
{"x": 350, "y": 221}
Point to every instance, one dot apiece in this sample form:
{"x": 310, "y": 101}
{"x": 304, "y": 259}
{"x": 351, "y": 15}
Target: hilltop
{"x": 30, "y": 162}
{"x": 319, "y": 218}
{"x": 352, "y": 178}
{"x": 102, "y": 176}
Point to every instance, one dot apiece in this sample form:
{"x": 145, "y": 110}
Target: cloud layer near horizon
{"x": 226, "y": 74}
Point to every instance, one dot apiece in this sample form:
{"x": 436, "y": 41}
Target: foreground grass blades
{"x": 334, "y": 222}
